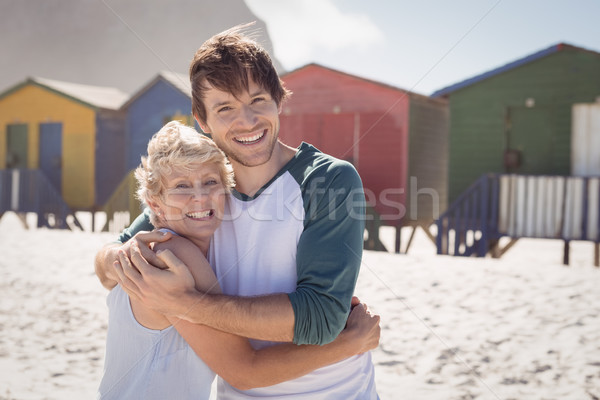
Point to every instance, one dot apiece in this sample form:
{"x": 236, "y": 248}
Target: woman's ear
{"x": 155, "y": 207}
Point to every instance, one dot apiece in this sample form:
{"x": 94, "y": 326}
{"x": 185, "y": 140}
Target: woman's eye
{"x": 182, "y": 186}
{"x": 211, "y": 182}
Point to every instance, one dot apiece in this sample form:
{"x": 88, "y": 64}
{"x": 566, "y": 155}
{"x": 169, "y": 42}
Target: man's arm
{"x": 329, "y": 252}
{"x": 108, "y": 254}
{"x": 328, "y": 263}
{"x": 232, "y": 357}
{"x": 234, "y": 360}
{"x": 172, "y": 292}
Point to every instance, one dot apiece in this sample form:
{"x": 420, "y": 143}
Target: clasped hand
{"x": 158, "y": 280}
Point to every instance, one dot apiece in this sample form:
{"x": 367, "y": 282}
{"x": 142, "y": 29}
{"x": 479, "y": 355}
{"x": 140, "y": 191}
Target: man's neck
{"x": 250, "y": 179}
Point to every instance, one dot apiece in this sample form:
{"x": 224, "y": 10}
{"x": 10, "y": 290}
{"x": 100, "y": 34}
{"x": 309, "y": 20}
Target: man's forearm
{"x": 103, "y": 265}
{"x": 268, "y": 317}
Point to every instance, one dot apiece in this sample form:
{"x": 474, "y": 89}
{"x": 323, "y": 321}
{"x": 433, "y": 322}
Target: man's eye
{"x": 257, "y": 100}
{"x": 223, "y": 109}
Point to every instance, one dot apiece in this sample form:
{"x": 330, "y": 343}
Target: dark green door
{"x": 16, "y": 146}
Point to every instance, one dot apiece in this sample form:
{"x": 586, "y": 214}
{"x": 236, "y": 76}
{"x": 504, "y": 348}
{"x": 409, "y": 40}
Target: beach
{"x": 520, "y": 327}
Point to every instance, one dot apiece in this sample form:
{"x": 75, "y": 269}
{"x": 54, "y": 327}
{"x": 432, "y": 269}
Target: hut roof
{"x": 360, "y": 78}
{"x": 522, "y": 61}
{"x": 180, "y": 82}
{"x": 96, "y": 96}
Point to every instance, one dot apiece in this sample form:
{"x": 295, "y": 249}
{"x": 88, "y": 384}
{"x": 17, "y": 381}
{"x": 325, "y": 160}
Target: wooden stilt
{"x": 498, "y": 252}
{"x": 410, "y": 239}
{"x": 566, "y": 253}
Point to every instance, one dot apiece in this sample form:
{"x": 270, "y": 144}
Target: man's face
{"x": 246, "y": 127}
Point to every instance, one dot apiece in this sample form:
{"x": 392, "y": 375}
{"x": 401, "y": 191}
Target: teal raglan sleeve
{"x": 141, "y": 223}
{"x": 329, "y": 252}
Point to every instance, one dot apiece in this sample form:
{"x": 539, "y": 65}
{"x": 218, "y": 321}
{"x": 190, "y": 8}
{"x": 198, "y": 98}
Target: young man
{"x": 288, "y": 252}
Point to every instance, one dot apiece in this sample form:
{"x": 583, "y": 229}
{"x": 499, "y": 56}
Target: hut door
{"x": 51, "y": 153}
{"x": 530, "y": 133}
{"x": 16, "y": 146}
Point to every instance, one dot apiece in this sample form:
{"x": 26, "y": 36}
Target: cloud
{"x": 300, "y": 29}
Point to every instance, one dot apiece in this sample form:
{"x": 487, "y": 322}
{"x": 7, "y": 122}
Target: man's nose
{"x": 247, "y": 117}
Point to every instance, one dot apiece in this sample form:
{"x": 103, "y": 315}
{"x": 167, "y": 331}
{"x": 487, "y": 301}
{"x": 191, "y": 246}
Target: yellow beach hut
{"x": 72, "y": 133}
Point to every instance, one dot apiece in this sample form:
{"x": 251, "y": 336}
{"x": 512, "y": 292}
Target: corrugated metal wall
{"x": 585, "y": 140}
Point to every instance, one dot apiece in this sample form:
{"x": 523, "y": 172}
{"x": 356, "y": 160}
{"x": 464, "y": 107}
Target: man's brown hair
{"x": 226, "y": 61}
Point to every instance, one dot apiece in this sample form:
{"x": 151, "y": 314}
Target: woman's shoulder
{"x": 194, "y": 259}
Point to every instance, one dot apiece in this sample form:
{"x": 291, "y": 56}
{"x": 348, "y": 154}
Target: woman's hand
{"x": 160, "y": 288}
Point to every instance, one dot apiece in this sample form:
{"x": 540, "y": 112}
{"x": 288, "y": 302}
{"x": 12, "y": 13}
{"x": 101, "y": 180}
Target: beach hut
{"x": 72, "y": 133}
{"x": 517, "y": 118}
{"x": 165, "y": 98}
{"x": 395, "y": 138}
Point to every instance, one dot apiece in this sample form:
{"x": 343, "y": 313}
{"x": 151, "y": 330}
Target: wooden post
{"x": 566, "y": 253}
{"x": 410, "y": 239}
{"x": 597, "y": 254}
{"x": 398, "y": 238}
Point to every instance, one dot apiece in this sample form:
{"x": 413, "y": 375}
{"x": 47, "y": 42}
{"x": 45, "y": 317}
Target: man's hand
{"x": 106, "y": 257}
{"x": 161, "y": 289}
{"x": 363, "y": 328}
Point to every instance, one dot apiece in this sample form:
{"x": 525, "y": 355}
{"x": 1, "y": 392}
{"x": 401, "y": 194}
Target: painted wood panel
{"x": 33, "y": 105}
{"x": 478, "y": 129}
{"x": 16, "y": 146}
{"x": 147, "y": 113}
{"x": 51, "y": 153}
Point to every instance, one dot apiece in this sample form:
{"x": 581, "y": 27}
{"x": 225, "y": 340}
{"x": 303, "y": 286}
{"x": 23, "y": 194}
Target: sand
{"x": 521, "y": 327}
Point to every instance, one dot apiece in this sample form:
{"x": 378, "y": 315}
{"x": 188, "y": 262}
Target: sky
{"x": 423, "y": 46}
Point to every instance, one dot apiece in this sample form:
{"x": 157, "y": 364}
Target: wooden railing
{"x": 29, "y": 191}
{"x": 520, "y": 206}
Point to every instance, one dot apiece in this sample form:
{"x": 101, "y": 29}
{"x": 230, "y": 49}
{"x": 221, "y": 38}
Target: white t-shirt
{"x": 256, "y": 251}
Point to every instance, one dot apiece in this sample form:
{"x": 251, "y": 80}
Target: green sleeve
{"x": 141, "y": 223}
{"x": 329, "y": 252}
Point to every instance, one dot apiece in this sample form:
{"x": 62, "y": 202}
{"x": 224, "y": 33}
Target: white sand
{"x": 522, "y": 327}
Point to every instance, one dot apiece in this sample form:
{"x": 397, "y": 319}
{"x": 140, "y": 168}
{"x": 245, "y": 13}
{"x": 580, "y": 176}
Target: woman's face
{"x": 193, "y": 202}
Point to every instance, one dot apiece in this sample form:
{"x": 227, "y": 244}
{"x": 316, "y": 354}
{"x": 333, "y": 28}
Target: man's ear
{"x": 201, "y": 125}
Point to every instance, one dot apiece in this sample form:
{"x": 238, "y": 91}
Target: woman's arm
{"x": 232, "y": 357}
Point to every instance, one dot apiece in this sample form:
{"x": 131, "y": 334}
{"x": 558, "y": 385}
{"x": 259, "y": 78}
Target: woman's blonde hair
{"x": 177, "y": 147}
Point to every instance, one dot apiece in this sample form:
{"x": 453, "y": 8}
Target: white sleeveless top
{"x": 148, "y": 364}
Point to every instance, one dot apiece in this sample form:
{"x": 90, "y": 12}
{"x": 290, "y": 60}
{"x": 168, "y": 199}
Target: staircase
{"x": 470, "y": 225}
{"x": 29, "y": 190}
